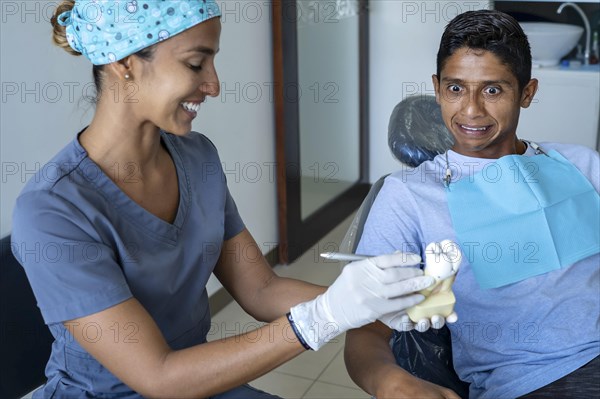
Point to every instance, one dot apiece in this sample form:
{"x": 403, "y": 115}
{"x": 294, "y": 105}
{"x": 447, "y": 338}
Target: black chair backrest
{"x": 417, "y": 132}
{"x": 25, "y": 341}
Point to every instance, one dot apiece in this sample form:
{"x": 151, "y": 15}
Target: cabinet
{"x": 565, "y": 109}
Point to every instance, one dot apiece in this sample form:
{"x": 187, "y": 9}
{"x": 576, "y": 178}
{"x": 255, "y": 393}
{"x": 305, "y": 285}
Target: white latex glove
{"x": 401, "y": 322}
{"x": 364, "y": 291}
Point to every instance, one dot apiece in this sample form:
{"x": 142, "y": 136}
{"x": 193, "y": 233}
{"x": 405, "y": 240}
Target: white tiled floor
{"x": 315, "y": 375}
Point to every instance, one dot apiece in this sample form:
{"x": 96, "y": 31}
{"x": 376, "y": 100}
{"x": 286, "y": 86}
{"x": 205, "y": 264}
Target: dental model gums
{"x": 442, "y": 260}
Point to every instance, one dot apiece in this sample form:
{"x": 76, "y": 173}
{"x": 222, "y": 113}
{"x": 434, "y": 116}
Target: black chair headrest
{"x": 416, "y": 131}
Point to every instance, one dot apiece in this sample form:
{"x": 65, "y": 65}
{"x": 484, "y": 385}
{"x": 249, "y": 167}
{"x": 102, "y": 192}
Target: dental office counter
{"x": 566, "y": 107}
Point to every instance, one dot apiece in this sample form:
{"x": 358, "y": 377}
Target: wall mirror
{"x": 320, "y": 50}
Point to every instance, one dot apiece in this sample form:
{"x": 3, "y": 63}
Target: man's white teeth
{"x": 192, "y": 107}
{"x": 475, "y": 129}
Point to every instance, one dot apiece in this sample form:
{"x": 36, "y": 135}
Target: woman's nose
{"x": 211, "y": 86}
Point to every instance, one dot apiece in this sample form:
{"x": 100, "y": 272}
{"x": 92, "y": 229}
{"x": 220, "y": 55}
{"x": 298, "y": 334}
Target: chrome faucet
{"x": 586, "y": 22}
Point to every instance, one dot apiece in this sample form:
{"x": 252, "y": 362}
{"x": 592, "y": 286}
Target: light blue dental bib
{"x": 523, "y": 216}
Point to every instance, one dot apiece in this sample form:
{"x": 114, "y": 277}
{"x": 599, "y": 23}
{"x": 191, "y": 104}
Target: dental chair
{"x": 416, "y": 134}
{"x": 25, "y": 340}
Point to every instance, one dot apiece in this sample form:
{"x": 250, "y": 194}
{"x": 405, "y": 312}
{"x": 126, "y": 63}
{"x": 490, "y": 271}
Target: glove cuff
{"x": 314, "y": 324}
{"x": 295, "y": 329}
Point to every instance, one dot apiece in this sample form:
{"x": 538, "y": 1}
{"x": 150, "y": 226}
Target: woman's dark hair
{"x": 492, "y": 31}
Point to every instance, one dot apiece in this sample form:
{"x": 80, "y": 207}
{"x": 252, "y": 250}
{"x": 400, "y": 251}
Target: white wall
{"x": 40, "y": 110}
{"x": 241, "y": 122}
{"x": 40, "y": 91}
{"x": 328, "y": 74}
{"x": 404, "y": 40}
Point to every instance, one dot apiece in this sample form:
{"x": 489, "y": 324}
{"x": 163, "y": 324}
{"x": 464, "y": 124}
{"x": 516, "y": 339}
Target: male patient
{"x": 526, "y": 217}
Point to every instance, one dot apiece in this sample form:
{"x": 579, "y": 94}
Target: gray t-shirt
{"x": 86, "y": 246}
{"x": 511, "y": 340}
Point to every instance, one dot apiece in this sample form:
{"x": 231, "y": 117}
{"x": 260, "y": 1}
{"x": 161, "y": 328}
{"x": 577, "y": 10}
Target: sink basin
{"x": 550, "y": 41}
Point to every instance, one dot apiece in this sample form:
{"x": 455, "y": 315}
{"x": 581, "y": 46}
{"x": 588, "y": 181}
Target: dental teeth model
{"x": 442, "y": 260}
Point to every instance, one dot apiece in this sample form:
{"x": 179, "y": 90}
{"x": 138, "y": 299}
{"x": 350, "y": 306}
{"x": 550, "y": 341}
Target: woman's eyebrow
{"x": 202, "y": 49}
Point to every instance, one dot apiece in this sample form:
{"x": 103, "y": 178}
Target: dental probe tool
{"x": 348, "y": 257}
{"x": 344, "y": 257}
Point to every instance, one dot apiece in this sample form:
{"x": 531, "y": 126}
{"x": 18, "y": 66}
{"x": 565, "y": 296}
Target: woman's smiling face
{"x": 179, "y": 78}
{"x": 481, "y": 101}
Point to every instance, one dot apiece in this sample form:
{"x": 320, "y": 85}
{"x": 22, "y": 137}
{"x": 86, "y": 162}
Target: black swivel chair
{"x": 25, "y": 340}
{"x": 416, "y": 134}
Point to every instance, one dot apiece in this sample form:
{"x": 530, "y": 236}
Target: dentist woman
{"x": 126, "y": 301}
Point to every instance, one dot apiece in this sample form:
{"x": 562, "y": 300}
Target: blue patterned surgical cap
{"x": 107, "y": 31}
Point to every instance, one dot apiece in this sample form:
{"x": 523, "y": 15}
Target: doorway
{"x": 320, "y": 50}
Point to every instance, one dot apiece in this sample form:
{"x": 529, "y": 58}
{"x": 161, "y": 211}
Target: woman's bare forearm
{"x": 284, "y": 293}
{"x": 145, "y": 362}
{"x": 206, "y": 369}
{"x": 249, "y": 278}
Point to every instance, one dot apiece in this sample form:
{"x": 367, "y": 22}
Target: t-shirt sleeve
{"x": 71, "y": 271}
{"x": 390, "y": 225}
{"x": 591, "y": 169}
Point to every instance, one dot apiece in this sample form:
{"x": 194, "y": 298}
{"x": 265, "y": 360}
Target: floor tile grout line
{"x": 291, "y": 375}
{"x": 340, "y": 385}
{"x": 355, "y": 387}
{"x": 322, "y": 371}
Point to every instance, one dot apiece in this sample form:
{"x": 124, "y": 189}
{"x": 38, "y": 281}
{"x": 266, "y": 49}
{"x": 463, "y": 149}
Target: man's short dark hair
{"x": 492, "y": 31}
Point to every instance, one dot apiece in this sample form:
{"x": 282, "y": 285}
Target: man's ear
{"x": 528, "y": 93}
{"x": 436, "y": 87}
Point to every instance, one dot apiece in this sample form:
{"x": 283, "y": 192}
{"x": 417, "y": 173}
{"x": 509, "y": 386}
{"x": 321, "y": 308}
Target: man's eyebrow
{"x": 485, "y": 82}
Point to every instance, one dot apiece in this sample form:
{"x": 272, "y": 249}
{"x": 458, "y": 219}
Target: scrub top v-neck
{"x": 132, "y": 210}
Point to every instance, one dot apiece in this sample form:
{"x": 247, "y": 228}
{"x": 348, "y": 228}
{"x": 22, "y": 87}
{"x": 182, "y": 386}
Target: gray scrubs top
{"x": 86, "y": 246}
